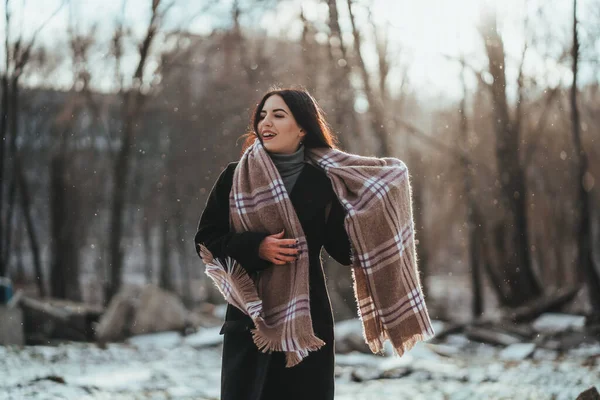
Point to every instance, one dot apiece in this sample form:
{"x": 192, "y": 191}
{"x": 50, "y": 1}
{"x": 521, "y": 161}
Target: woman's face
{"x": 278, "y": 128}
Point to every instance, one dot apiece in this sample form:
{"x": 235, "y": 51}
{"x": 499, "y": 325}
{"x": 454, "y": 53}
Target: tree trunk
{"x": 166, "y": 281}
{"x": 375, "y": 110}
{"x": 186, "y": 281}
{"x": 35, "y": 248}
{"x": 475, "y": 259}
{"x": 340, "y": 87}
{"x": 474, "y": 228}
{"x": 308, "y": 54}
{"x": 18, "y": 275}
{"x": 120, "y": 174}
{"x": 515, "y": 261}
{"x": 147, "y": 239}
{"x": 3, "y": 130}
{"x": 585, "y": 250}
{"x": 492, "y": 263}
{"x": 12, "y": 188}
{"x": 133, "y": 106}
{"x": 562, "y": 277}
{"x": 64, "y": 271}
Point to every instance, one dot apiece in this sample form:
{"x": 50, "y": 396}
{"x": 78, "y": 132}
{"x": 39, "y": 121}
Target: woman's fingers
{"x": 287, "y": 242}
{"x": 279, "y": 251}
{"x": 289, "y": 251}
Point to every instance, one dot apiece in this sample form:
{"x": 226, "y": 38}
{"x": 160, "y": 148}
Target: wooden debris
{"x": 522, "y": 330}
{"x": 571, "y": 340}
{"x": 52, "y": 378}
{"x": 547, "y": 303}
{"x": 56, "y": 320}
{"x": 491, "y": 336}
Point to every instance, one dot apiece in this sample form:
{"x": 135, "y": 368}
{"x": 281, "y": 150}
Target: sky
{"x": 424, "y": 35}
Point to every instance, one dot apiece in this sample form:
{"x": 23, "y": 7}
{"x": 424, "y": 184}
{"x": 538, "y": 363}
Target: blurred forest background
{"x": 115, "y": 126}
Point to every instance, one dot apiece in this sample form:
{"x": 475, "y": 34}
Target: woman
{"x": 261, "y": 234}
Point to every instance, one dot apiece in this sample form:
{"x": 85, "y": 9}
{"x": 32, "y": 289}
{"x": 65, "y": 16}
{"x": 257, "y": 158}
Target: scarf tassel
{"x": 267, "y": 343}
{"x": 243, "y": 291}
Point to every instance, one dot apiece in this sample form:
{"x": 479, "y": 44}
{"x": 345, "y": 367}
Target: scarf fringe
{"x": 242, "y": 283}
{"x": 261, "y": 338}
{"x": 376, "y": 344}
{"x": 205, "y": 255}
{"x": 246, "y": 288}
{"x": 292, "y": 358}
{"x": 266, "y": 343}
{"x": 410, "y": 343}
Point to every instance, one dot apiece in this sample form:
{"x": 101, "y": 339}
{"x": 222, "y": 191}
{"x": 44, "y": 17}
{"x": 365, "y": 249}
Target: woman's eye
{"x": 261, "y": 117}
{"x": 279, "y": 116}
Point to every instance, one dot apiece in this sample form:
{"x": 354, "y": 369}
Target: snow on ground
{"x": 166, "y": 366}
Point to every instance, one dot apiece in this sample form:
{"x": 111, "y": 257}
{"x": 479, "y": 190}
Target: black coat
{"x": 248, "y": 374}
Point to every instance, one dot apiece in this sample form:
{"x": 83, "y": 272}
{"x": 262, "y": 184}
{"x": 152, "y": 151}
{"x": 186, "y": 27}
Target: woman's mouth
{"x": 268, "y": 136}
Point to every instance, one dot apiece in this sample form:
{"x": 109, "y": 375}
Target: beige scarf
{"x": 376, "y": 195}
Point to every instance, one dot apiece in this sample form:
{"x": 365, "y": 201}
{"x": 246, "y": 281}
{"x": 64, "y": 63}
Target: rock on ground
{"x": 133, "y": 313}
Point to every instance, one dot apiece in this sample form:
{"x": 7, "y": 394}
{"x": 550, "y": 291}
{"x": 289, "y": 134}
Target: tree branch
{"x": 444, "y": 148}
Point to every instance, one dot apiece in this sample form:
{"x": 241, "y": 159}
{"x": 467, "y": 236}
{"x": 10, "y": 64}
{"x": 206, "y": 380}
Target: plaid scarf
{"x": 376, "y": 195}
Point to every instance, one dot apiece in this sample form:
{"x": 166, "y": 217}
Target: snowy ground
{"x": 166, "y": 366}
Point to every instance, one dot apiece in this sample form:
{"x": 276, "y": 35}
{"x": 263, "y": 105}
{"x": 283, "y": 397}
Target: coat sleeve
{"x": 337, "y": 242}
{"x": 214, "y": 231}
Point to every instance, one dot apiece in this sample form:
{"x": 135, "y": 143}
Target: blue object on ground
{"x": 6, "y": 291}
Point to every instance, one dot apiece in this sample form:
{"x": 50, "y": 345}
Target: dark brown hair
{"x": 307, "y": 113}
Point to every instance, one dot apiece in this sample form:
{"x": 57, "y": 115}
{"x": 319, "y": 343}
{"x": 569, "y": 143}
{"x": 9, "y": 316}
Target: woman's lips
{"x": 266, "y": 138}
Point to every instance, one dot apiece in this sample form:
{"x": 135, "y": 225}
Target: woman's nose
{"x": 267, "y": 121}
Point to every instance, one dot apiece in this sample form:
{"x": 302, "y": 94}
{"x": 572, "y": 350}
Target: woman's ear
{"x": 302, "y": 134}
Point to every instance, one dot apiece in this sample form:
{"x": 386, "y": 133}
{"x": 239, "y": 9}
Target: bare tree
{"x": 3, "y": 129}
{"x": 511, "y": 238}
{"x": 308, "y": 52}
{"x": 377, "y": 118}
{"x": 339, "y": 83}
{"x": 64, "y": 268}
{"x": 382, "y": 46}
{"x": 585, "y": 250}
{"x": 133, "y": 102}
{"x": 65, "y": 194}
{"x": 18, "y": 55}
{"x": 165, "y": 276}
{"x": 474, "y": 221}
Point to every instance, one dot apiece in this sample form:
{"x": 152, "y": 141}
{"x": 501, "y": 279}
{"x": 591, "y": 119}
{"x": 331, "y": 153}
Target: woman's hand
{"x": 277, "y": 250}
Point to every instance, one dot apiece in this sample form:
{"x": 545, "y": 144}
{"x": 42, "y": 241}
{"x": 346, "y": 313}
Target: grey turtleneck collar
{"x": 289, "y": 166}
